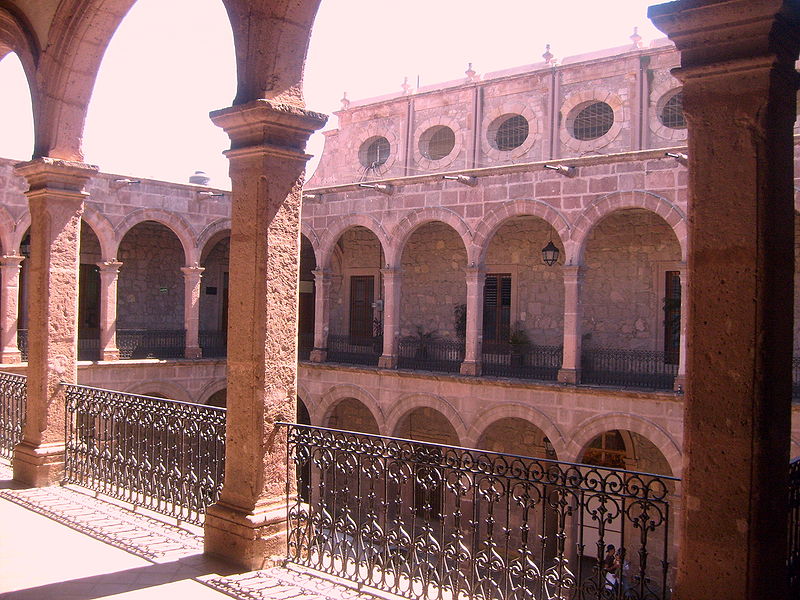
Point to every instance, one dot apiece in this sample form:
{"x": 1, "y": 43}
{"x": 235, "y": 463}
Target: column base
{"x": 10, "y": 357}
{"x": 680, "y": 384}
{"x": 471, "y": 368}
{"x": 569, "y": 376}
{"x": 252, "y": 541}
{"x": 38, "y": 466}
{"x": 387, "y": 361}
{"x": 318, "y": 355}
{"x": 110, "y": 354}
{"x": 193, "y": 352}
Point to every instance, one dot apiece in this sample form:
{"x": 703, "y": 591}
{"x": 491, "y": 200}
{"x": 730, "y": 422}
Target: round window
{"x": 437, "y": 142}
{"x": 671, "y": 114}
{"x": 509, "y": 132}
{"x": 592, "y": 121}
{"x": 374, "y": 152}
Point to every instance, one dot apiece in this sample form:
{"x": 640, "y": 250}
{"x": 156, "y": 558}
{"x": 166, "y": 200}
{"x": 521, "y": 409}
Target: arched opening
{"x": 356, "y": 315}
{"x": 16, "y": 118}
{"x": 89, "y": 295}
{"x": 150, "y": 293}
{"x": 631, "y": 330}
{"x": 306, "y": 300}
{"x": 351, "y": 414}
{"x": 214, "y": 297}
{"x": 433, "y": 294}
{"x": 523, "y": 302}
{"x": 218, "y": 398}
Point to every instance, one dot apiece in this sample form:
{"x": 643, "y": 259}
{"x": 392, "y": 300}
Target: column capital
{"x": 573, "y": 271}
{"x": 278, "y": 128}
{"x": 475, "y": 270}
{"x": 55, "y": 175}
{"x": 109, "y": 266}
{"x": 323, "y": 275}
{"x": 391, "y": 272}
{"x": 11, "y": 261}
{"x": 193, "y": 271}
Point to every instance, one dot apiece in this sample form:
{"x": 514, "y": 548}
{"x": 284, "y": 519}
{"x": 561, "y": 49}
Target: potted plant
{"x": 520, "y": 343}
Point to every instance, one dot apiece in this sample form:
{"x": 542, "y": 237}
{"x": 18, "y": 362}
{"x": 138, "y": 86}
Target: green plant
{"x": 519, "y": 337}
{"x": 460, "y": 320}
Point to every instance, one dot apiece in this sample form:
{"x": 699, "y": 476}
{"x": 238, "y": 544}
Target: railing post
{"x": 191, "y": 310}
{"x": 109, "y": 277}
{"x": 475, "y": 277}
{"x": 55, "y": 197}
{"x": 570, "y": 371}
{"x": 322, "y": 314}
{"x": 392, "y": 285}
{"x": 267, "y": 158}
{"x": 10, "y": 267}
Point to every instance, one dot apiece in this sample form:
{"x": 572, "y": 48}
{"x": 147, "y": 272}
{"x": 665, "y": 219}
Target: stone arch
{"x": 407, "y": 403}
{"x": 415, "y": 219}
{"x": 615, "y": 201}
{"x": 517, "y": 208}
{"x": 21, "y": 227}
{"x": 210, "y": 389}
{"x": 321, "y": 412}
{"x": 304, "y": 394}
{"x": 519, "y": 411}
{"x": 589, "y": 429}
{"x": 212, "y": 233}
{"x": 171, "y": 221}
{"x": 103, "y": 230}
{"x": 17, "y": 36}
{"x": 324, "y": 253}
{"x": 311, "y": 235}
{"x": 7, "y": 226}
{"x": 168, "y": 389}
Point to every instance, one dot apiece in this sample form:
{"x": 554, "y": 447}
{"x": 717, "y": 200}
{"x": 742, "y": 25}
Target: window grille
{"x": 511, "y": 133}
{"x": 376, "y": 153}
{"x": 437, "y": 142}
{"x": 593, "y": 121}
{"x": 672, "y": 113}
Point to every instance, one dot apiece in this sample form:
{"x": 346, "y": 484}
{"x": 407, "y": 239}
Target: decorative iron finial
{"x": 471, "y": 74}
{"x": 547, "y": 56}
{"x": 345, "y": 102}
{"x": 636, "y": 38}
{"x": 406, "y": 86}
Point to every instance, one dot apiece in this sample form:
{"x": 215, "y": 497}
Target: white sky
{"x": 170, "y": 63}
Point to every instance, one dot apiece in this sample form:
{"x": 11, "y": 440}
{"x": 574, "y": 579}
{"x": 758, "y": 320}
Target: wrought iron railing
{"x": 88, "y": 347}
{"x": 22, "y": 343}
{"x": 355, "y": 350}
{"x": 163, "y": 455}
{"x": 151, "y": 343}
{"x": 305, "y": 344}
{"x": 794, "y": 528}
{"x": 430, "y": 355}
{"x": 214, "y": 343}
{"x": 526, "y": 362}
{"x": 427, "y": 521}
{"x": 13, "y": 395}
{"x": 628, "y": 368}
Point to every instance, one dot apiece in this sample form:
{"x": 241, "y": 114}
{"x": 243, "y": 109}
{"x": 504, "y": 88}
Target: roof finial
{"x": 406, "y": 86}
{"x": 471, "y": 74}
{"x": 345, "y": 102}
{"x": 636, "y": 38}
{"x": 547, "y": 56}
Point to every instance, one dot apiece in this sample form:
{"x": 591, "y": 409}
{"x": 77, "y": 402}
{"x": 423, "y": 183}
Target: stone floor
{"x": 61, "y": 543}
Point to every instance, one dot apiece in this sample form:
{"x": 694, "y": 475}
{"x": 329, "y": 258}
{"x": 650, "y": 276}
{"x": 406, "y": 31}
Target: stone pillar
{"x": 10, "y": 267}
{"x": 247, "y": 525}
{"x": 55, "y": 198}
{"x": 476, "y": 277}
{"x": 570, "y": 371}
{"x": 322, "y": 314}
{"x": 392, "y": 285}
{"x": 191, "y": 310}
{"x": 109, "y": 275}
{"x": 740, "y": 100}
{"x": 680, "y": 378}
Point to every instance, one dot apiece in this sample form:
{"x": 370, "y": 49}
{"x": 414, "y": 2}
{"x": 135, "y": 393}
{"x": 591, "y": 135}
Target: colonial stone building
{"x": 538, "y": 261}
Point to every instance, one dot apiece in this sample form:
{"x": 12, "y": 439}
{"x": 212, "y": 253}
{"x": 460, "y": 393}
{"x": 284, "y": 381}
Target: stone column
{"x": 740, "y": 100}
{"x": 680, "y": 378}
{"x": 570, "y": 371}
{"x": 10, "y": 267}
{"x": 109, "y": 275}
{"x": 476, "y": 277}
{"x": 247, "y": 525}
{"x": 392, "y": 285}
{"x": 55, "y": 198}
{"x": 191, "y": 310}
{"x": 322, "y": 314}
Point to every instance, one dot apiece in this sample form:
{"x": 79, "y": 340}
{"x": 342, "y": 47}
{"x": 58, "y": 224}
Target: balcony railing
{"x": 151, "y": 343}
{"x": 305, "y": 344}
{"x": 355, "y": 350}
{"x": 527, "y": 362}
{"x": 443, "y": 356}
{"x": 794, "y": 528}
{"x": 628, "y": 368}
{"x": 214, "y": 343}
{"x": 427, "y": 521}
{"x": 22, "y": 343}
{"x": 163, "y": 455}
{"x": 13, "y": 395}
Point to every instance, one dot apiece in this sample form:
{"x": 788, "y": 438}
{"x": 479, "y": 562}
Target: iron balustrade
{"x": 159, "y": 454}
{"x": 444, "y": 356}
{"x": 151, "y": 343}
{"x": 355, "y": 350}
{"x": 214, "y": 343}
{"x": 13, "y": 396}
{"x": 305, "y": 344}
{"x": 628, "y": 368}
{"x": 526, "y": 362}
{"x": 88, "y": 346}
{"x": 428, "y": 521}
{"x": 22, "y": 343}
{"x": 794, "y": 528}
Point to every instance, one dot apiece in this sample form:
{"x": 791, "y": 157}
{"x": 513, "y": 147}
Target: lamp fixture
{"x": 383, "y": 188}
{"x": 127, "y": 181}
{"x": 208, "y": 194}
{"x": 679, "y": 156}
{"x": 563, "y": 170}
{"x": 550, "y": 254}
{"x": 465, "y": 179}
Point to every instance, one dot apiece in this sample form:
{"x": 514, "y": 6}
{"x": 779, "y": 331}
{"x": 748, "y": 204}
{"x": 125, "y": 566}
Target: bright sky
{"x": 170, "y": 63}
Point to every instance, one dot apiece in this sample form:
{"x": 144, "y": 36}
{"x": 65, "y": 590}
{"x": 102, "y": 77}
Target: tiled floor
{"x": 61, "y": 544}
